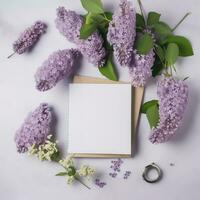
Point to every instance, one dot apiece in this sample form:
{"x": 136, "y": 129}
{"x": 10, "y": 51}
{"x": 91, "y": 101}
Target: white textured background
{"x": 23, "y": 177}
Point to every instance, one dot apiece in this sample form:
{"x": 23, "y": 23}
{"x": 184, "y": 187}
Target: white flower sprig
{"x": 47, "y": 151}
{"x": 37, "y": 141}
{"x": 72, "y": 173}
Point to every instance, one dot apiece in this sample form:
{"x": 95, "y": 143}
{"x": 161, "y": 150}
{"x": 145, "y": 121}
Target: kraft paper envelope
{"x": 136, "y": 103}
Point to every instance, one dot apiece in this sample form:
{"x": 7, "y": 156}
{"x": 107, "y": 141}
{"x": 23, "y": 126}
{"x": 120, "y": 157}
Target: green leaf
{"x": 61, "y": 174}
{"x": 100, "y": 21}
{"x": 103, "y": 29}
{"x": 153, "y": 18}
{"x": 185, "y": 47}
{"x": 144, "y": 43}
{"x": 88, "y": 18}
{"x": 147, "y": 105}
{"x": 160, "y": 52}
{"x": 150, "y": 108}
{"x": 108, "y": 69}
{"x": 162, "y": 29}
{"x": 87, "y": 30}
{"x": 93, "y": 6}
{"x": 153, "y": 115}
{"x": 71, "y": 171}
{"x": 84, "y": 17}
{"x": 139, "y": 20}
{"x": 94, "y": 18}
{"x": 171, "y": 53}
{"x": 108, "y": 15}
{"x": 98, "y": 18}
{"x": 158, "y": 66}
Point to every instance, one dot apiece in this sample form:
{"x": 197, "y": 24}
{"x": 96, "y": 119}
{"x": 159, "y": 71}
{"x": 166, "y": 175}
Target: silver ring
{"x": 146, "y": 171}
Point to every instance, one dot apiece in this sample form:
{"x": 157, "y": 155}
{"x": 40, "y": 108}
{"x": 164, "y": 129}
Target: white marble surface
{"x": 23, "y": 177}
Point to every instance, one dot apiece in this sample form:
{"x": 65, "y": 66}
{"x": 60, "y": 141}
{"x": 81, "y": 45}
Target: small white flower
{"x": 32, "y": 150}
{"x": 86, "y": 171}
{"x": 44, "y": 151}
{"x": 49, "y": 137}
{"x": 68, "y": 161}
{"x": 70, "y": 179}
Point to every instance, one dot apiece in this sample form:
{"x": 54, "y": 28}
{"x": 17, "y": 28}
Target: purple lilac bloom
{"x": 92, "y": 48}
{"x": 113, "y": 175}
{"x": 35, "y": 128}
{"x": 140, "y": 68}
{"x": 121, "y": 32}
{"x": 116, "y": 165}
{"x": 29, "y": 37}
{"x": 59, "y": 64}
{"x": 69, "y": 24}
{"x": 127, "y": 174}
{"x": 99, "y": 183}
{"x": 173, "y": 99}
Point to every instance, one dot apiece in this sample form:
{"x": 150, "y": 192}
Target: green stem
{"x": 142, "y": 10}
{"x": 185, "y": 16}
{"x": 56, "y": 157}
{"x": 11, "y": 55}
{"x": 76, "y": 178}
{"x": 171, "y": 71}
{"x": 166, "y": 70}
{"x": 106, "y": 18}
{"x": 174, "y": 68}
{"x": 185, "y": 78}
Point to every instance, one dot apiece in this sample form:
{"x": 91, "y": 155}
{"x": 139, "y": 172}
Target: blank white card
{"x": 99, "y": 119}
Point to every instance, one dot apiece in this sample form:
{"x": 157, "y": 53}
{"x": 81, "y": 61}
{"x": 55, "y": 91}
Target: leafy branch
{"x": 97, "y": 19}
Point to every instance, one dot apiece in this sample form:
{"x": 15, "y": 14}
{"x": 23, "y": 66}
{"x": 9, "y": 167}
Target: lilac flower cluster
{"x": 116, "y": 167}
{"x": 113, "y": 174}
{"x": 92, "y": 48}
{"x": 59, "y": 64}
{"x": 140, "y": 68}
{"x": 99, "y": 183}
{"x": 29, "y": 37}
{"x": 69, "y": 24}
{"x": 35, "y": 129}
{"x": 121, "y": 32}
{"x": 127, "y": 174}
{"x": 173, "y": 99}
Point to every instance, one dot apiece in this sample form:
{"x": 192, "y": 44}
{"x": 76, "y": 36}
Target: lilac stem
{"x": 142, "y": 9}
{"x": 82, "y": 182}
{"x": 11, "y": 55}
{"x": 187, "y": 14}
